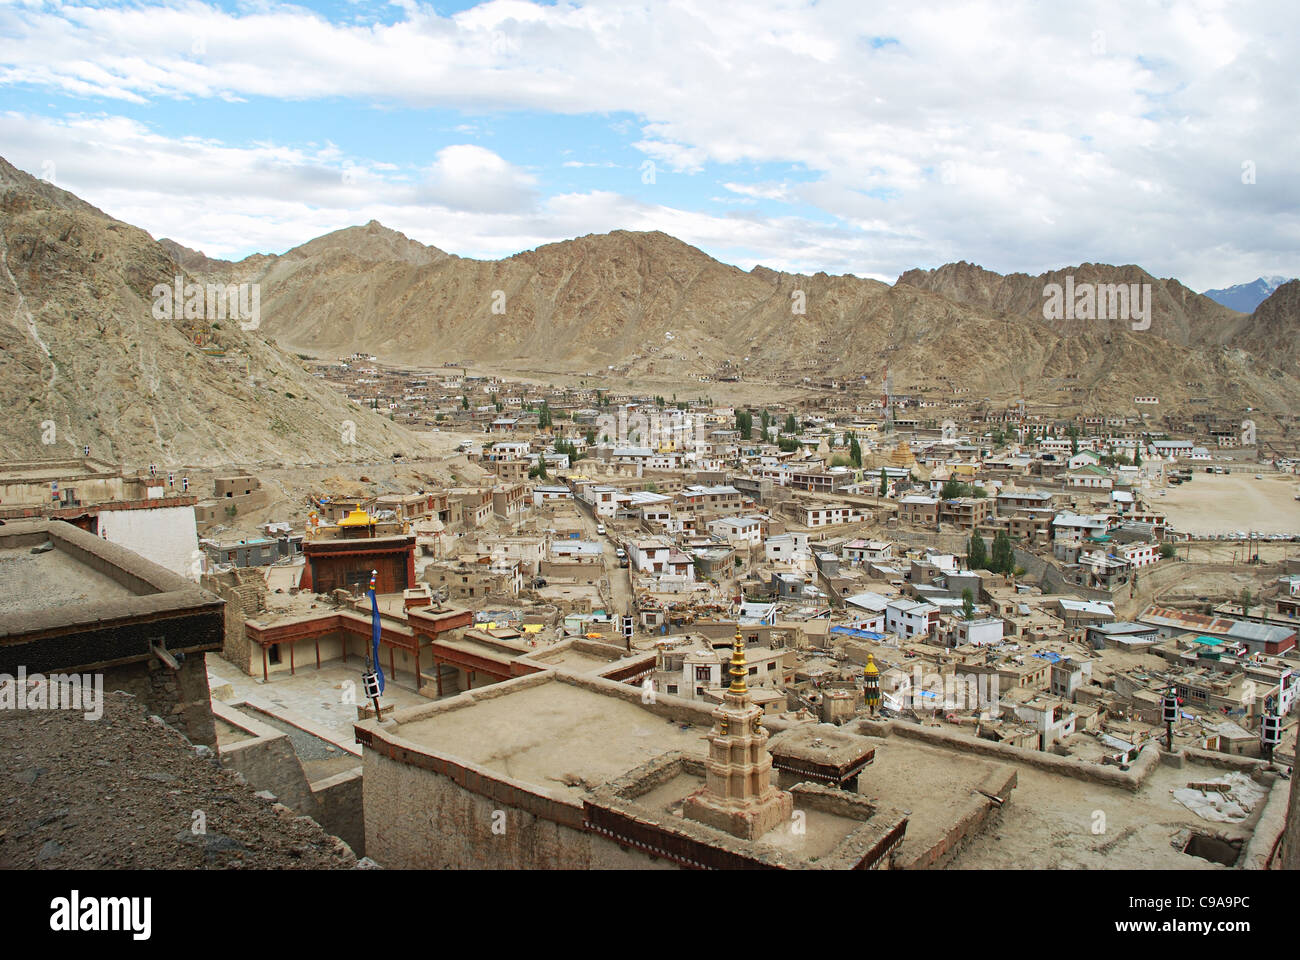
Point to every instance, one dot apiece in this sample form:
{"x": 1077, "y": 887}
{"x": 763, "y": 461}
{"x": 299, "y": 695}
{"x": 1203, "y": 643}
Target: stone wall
{"x": 180, "y": 697}
{"x": 420, "y": 819}
{"x": 339, "y": 808}
{"x": 245, "y": 595}
{"x": 1051, "y": 580}
{"x": 270, "y": 763}
{"x": 1259, "y": 851}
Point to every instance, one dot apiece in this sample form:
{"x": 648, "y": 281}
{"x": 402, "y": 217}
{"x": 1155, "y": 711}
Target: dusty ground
{"x": 1222, "y": 503}
{"x": 1049, "y": 824}
{"x": 122, "y": 791}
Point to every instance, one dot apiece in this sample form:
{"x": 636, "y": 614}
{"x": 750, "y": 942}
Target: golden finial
{"x": 738, "y": 668}
{"x": 870, "y": 670}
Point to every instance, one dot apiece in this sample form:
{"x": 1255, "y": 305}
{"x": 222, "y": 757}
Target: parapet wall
{"x": 1130, "y": 779}
{"x": 452, "y": 815}
{"x": 267, "y": 761}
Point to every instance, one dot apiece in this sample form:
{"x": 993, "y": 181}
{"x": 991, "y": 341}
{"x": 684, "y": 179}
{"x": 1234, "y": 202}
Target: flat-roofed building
{"x": 75, "y": 604}
{"x": 915, "y": 508}
{"x": 559, "y": 771}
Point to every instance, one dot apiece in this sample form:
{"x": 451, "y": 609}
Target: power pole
{"x": 1170, "y": 715}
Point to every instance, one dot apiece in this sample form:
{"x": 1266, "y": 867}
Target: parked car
{"x": 600, "y": 529}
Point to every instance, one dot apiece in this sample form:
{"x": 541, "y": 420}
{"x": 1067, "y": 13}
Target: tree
{"x": 791, "y": 425}
{"x": 977, "y": 556}
{"x": 766, "y": 422}
{"x": 1245, "y": 600}
{"x": 884, "y": 482}
{"x": 1166, "y": 550}
{"x": 745, "y": 423}
{"x": 1003, "y": 555}
{"x": 464, "y": 402}
{"x": 541, "y": 467}
{"x": 855, "y": 452}
{"x": 967, "y": 605}
{"x": 1137, "y": 455}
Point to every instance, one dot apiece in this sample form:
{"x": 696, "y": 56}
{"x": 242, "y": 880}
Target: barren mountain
{"x": 1272, "y": 329}
{"x": 1177, "y": 313}
{"x": 1245, "y": 297}
{"x": 84, "y": 360}
{"x": 647, "y": 303}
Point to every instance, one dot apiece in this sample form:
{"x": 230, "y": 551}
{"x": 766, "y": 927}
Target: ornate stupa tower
{"x": 738, "y": 796}
{"x": 871, "y": 685}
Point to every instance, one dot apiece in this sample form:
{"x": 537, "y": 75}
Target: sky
{"x": 848, "y": 137}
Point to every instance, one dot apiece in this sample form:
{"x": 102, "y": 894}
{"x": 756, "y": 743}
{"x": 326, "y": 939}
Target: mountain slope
{"x": 1274, "y": 327}
{"x": 1177, "y": 314}
{"x": 1245, "y": 297}
{"x": 84, "y": 361}
{"x": 649, "y": 304}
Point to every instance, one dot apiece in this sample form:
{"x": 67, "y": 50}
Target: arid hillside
{"x": 646, "y": 303}
{"x": 84, "y": 361}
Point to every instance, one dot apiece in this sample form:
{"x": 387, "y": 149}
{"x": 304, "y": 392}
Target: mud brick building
{"x": 73, "y": 603}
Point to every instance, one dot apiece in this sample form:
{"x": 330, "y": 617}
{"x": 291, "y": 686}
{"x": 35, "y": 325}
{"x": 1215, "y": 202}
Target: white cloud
{"x": 1018, "y": 134}
{"x": 468, "y": 177}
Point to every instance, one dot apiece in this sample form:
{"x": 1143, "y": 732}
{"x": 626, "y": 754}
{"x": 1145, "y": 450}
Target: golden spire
{"x": 738, "y": 668}
{"x": 871, "y": 670}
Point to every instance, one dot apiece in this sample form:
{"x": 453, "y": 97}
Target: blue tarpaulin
{"x": 858, "y": 634}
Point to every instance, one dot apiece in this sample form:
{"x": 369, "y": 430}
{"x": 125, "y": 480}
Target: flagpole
{"x": 372, "y": 676}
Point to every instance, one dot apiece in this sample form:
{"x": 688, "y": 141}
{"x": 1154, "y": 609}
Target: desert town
{"x": 953, "y": 629}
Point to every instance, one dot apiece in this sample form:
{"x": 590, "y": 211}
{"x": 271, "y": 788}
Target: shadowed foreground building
{"x": 73, "y": 603}
{"x": 562, "y": 771}
{"x": 565, "y": 770}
